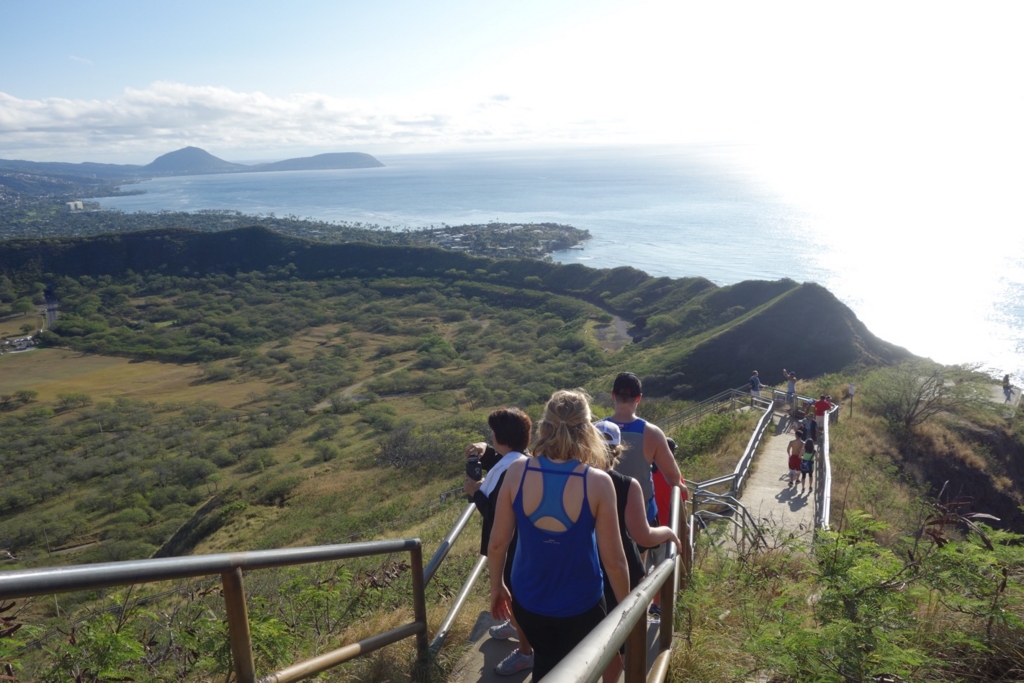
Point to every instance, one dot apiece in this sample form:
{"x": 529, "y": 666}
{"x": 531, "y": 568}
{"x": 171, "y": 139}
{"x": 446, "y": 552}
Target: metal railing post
{"x": 669, "y": 588}
{"x": 419, "y": 600}
{"x": 238, "y": 626}
{"x": 446, "y": 626}
{"x": 636, "y": 653}
{"x": 686, "y": 538}
{"x": 446, "y": 545}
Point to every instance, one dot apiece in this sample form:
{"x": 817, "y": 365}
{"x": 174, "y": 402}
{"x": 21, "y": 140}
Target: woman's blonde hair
{"x": 565, "y": 431}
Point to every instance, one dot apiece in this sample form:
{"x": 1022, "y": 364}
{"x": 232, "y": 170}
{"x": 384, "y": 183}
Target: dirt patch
{"x": 613, "y": 336}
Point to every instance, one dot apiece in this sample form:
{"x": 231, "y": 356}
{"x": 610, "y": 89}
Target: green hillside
{"x": 698, "y": 338}
{"x": 208, "y": 392}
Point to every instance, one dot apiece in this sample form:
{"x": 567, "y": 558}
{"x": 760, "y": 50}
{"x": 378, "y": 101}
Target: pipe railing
{"x": 627, "y": 623}
{"x": 743, "y": 466}
{"x": 460, "y": 600}
{"x": 737, "y": 514}
{"x": 708, "y": 405}
{"x": 738, "y": 476}
{"x": 32, "y": 582}
{"x": 446, "y": 545}
{"x": 823, "y": 487}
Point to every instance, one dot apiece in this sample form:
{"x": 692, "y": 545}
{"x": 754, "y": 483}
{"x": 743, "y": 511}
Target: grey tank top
{"x": 633, "y": 463}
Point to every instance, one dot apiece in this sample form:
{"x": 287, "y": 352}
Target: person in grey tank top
{"x": 645, "y": 443}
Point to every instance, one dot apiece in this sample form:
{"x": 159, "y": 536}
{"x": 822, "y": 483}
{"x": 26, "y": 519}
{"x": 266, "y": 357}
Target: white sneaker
{"x": 514, "y": 663}
{"x": 503, "y": 631}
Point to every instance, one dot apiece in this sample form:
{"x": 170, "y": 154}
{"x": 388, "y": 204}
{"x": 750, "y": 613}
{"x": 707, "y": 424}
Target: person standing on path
{"x": 795, "y": 448}
{"x": 812, "y": 427}
{"x": 755, "y": 385}
{"x": 563, "y": 506}
{"x": 1007, "y": 388}
{"x": 807, "y": 465}
{"x": 643, "y": 442}
{"x": 821, "y": 407}
{"x": 511, "y": 430}
{"x": 633, "y": 529}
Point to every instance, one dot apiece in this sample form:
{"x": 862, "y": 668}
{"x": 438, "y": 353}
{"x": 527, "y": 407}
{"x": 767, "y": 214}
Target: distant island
{"x": 185, "y": 161}
{"x": 193, "y": 160}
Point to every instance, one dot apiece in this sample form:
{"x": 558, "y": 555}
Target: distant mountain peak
{"x": 330, "y": 161}
{"x": 190, "y": 160}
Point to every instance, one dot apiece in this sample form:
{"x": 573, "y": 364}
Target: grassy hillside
{"x": 699, "y": 338}
{"x": 241, "y": 390}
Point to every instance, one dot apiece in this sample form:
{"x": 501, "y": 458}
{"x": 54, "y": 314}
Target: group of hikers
{"x": 803, "y": 447}
{"x": 569, "y": 515}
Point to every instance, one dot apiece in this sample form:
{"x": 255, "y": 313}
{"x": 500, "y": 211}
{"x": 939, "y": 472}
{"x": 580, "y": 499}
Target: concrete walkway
{"x": 777, "y": 507}
{"x": 477, "y": 664}
{"x": 996, "y": 395}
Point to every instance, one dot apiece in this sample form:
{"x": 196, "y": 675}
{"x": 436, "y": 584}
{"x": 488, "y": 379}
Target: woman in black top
{"x": 633, "y": 528}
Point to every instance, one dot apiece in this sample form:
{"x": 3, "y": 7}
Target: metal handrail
{"x": 627, "y": 623}
{"x": 724, "y": 479}
{"x": 743, "y": 466}
{"x": 735, "y": 481}
{"x": 739, "y": 474}
{"x": 746, "y": 522}
{"x": 446, "y": 545}
{"x": 703, "y": 408}
{"x": 50, "y": 580}
{"x": 446, "y": 626}
{"x": 823, "y": 489}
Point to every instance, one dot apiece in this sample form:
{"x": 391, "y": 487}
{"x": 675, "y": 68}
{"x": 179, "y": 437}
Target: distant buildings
{"x": 75, "y": 206}
{"x": 19, "y": 344}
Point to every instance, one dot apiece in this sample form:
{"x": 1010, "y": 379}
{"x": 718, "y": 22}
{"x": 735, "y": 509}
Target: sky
{"x": 126, "y": 81}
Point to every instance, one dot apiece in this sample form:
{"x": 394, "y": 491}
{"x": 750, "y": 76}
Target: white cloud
{"x": 141, "y": 123}
{"x": 81, "y": 60}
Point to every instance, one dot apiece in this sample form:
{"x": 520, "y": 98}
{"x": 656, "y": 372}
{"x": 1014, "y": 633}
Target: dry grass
{"x": 864, "y": 472}
{"x": 721, "y": 459}
{"x": 11, "y": 327}
{"x": 58, "y": 371}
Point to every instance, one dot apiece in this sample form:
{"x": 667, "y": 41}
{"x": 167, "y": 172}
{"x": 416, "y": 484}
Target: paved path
{"x": 484, "y": 653}
{"x": 776, "y": 506}
{"x": 997, "y": 396}
{"x": 477, "y": 664}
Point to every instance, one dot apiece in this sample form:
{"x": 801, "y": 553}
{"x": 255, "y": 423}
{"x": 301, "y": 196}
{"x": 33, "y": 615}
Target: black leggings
{"x": 552, "y": 638}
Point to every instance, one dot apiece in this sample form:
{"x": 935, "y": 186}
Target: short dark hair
{"x": 512, "y": 427}
{"x": 627, "y": 385}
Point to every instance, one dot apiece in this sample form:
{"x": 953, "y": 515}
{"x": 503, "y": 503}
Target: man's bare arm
{"x": 655, "y": 441}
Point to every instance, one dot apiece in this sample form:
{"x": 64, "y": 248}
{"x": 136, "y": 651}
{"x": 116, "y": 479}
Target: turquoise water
{"x": 678, "y": 212}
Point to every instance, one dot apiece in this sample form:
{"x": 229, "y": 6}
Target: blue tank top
{"x": 556, "y": 573}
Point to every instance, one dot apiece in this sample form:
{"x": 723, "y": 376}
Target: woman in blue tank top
{"x": 563, "y": 506}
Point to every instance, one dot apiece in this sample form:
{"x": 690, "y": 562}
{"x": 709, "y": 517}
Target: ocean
{"x": 685, "y": 211}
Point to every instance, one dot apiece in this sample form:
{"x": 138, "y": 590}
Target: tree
{"x": 26, "y": 395}
{"x": 73, "y": 400}
{"x": 22, "y": 306}
{"x": 913, "y": 392}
